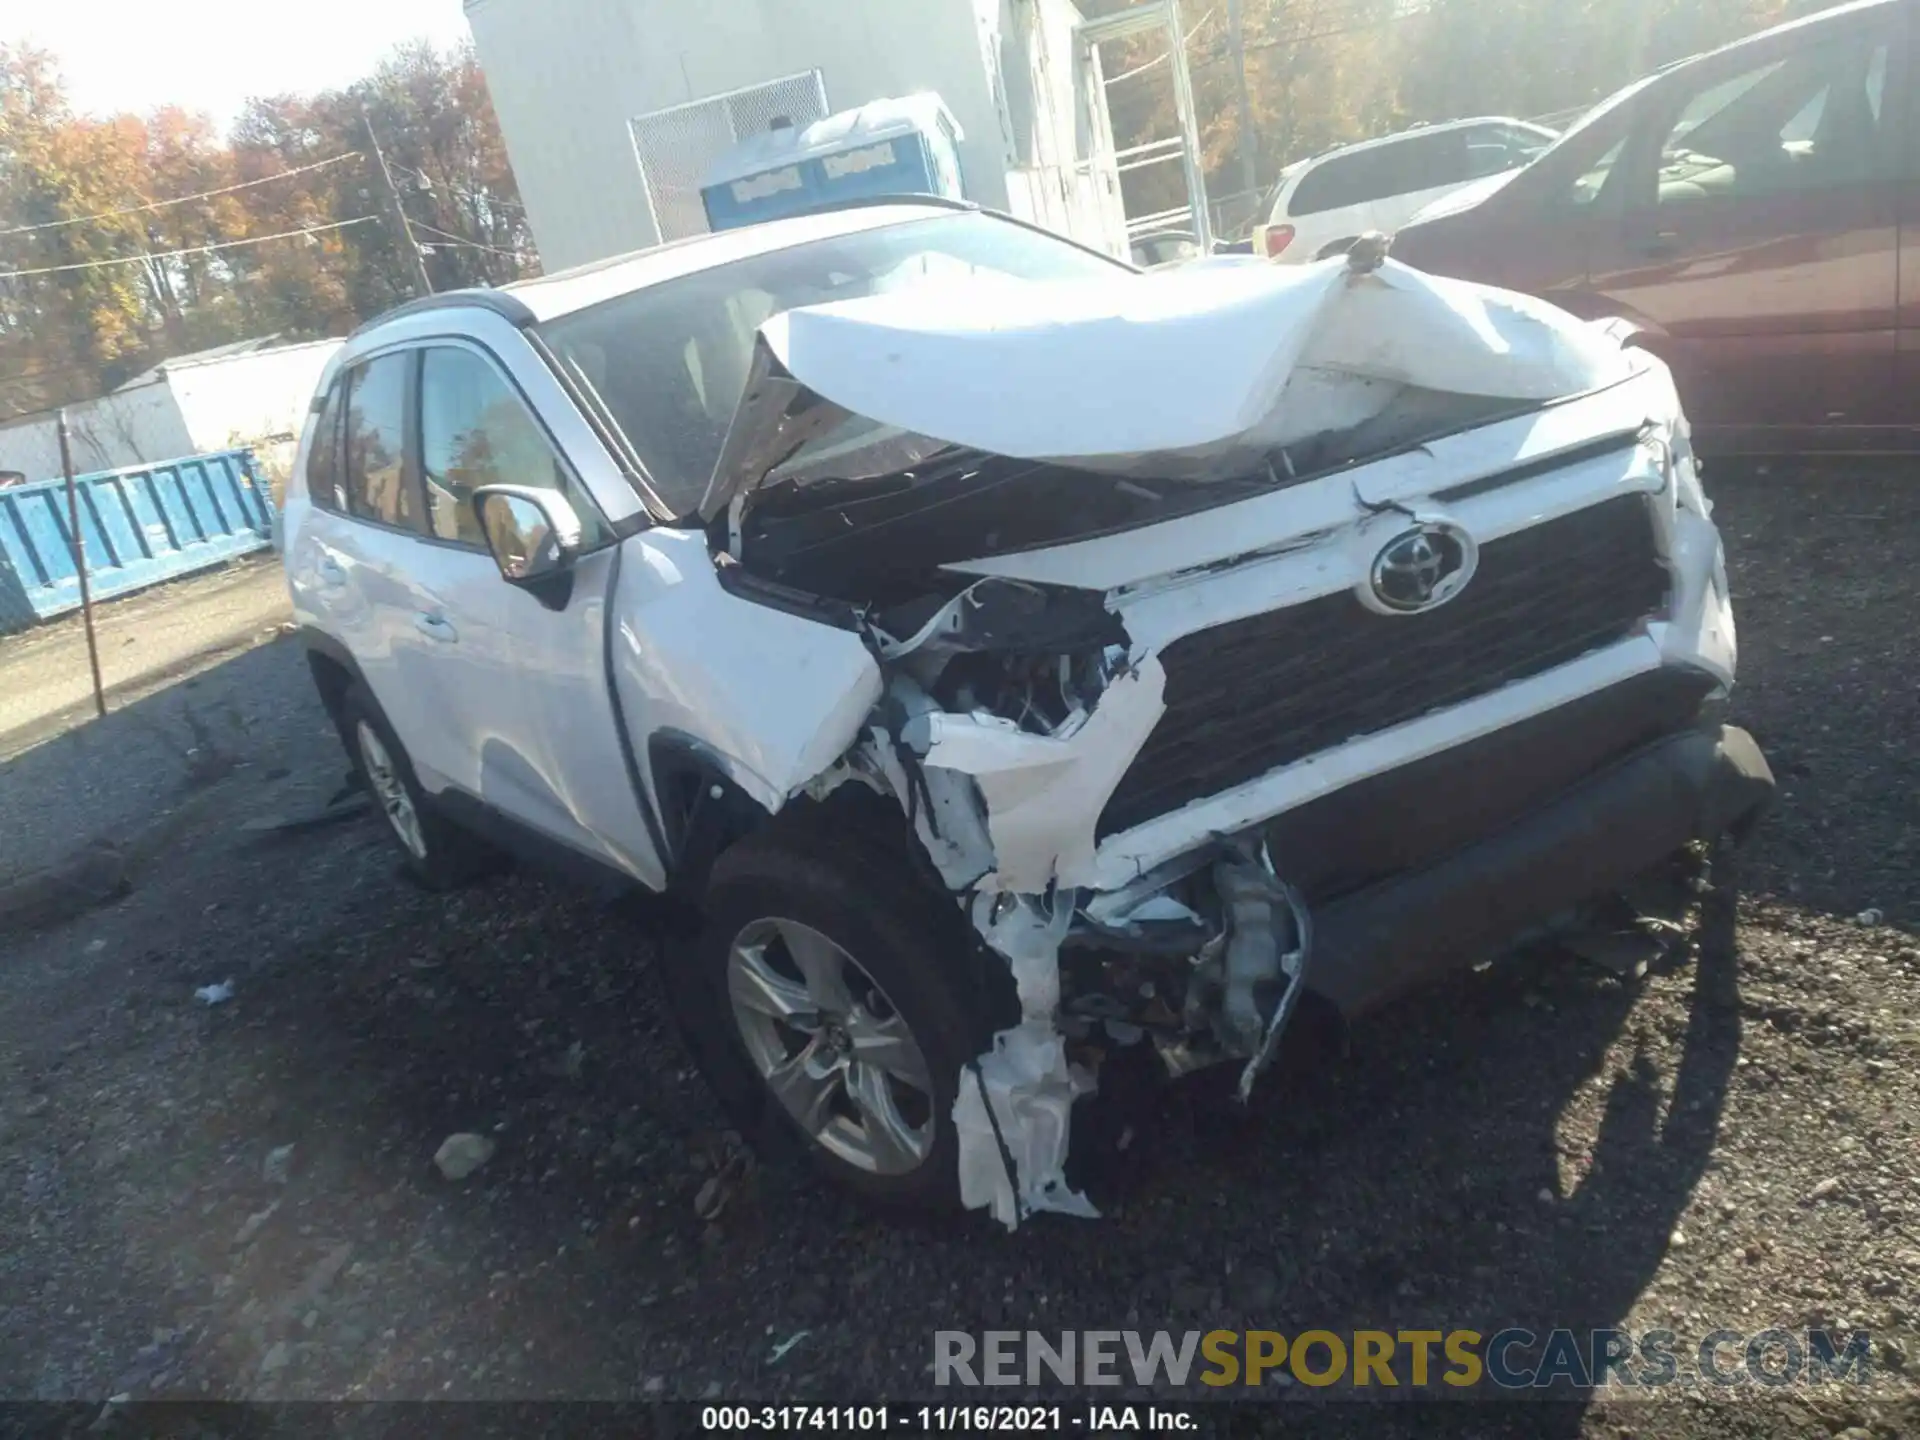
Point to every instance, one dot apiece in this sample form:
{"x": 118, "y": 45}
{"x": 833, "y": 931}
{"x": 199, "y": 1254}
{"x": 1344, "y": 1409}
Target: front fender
{"x": 771, "y": 698}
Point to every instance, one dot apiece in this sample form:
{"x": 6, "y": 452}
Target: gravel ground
{"x": 146, "y": 641}
{"x": 1731, "y": 1142}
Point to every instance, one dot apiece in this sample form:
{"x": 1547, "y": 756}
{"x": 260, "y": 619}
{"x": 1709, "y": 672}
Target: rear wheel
{"x": 436, "y": 852}
{"x": 832, "y": 999}
{"x": 1336, "y": 247}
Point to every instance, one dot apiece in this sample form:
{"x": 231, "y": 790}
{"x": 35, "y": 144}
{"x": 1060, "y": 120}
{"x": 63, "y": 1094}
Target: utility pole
{"x": 399, "y": 210}
{"x": 1249, "y": 142}
{"x": 77, "y": 541}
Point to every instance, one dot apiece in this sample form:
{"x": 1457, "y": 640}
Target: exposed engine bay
{"x": 1193, "y": 567}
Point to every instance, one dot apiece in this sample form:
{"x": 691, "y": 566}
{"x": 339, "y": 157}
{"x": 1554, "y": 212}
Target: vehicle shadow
{"x": 1477, "y": 1159}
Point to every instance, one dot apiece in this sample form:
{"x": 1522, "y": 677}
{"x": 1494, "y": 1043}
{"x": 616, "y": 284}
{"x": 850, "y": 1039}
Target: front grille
{"x": 1250, "y": 696}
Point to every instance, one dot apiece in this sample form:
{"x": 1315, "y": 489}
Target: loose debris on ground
{"x": 448, "y": 1146}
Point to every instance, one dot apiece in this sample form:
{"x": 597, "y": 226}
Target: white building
{"x": 612, "y": 110}
{"x": 252, "y": 393}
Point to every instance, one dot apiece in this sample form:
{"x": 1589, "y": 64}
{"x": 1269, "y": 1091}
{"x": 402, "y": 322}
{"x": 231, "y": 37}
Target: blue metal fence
{"x": 141, "y": 525}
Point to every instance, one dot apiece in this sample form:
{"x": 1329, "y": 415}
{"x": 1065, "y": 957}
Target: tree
{"x": 128, "y": 239}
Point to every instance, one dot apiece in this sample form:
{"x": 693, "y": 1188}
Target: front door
{"x": 523, "y": 719}
{"x": 1759, "y": 240}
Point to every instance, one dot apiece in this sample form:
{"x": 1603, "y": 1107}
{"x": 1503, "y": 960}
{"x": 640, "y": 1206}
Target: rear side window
{"x": 1425, "y": 162}
{"x": 1809, "y": 122}
{"x": 1420, "y": 162}
{"x": 1339, "y": 182}
{"x": 324, "y": 480}
{"x": 1496, "y": 149}
{"x": 377, "y": 484}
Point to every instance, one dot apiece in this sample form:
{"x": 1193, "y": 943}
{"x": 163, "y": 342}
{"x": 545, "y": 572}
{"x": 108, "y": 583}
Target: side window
{"x": 1524, "y": 144}
{"x": 1324, "y": 187}
{"x": 1809, "y": 122}
{"x": 1419, "y": 162}
{"x": 377, "y": 484}
{"x": 1426, "y": 162}
{"x": 1591, "y": 181}
{"x": 1495, "y": 149}
{"x": 476, "y": 430}
{"x": 324, "y": 480}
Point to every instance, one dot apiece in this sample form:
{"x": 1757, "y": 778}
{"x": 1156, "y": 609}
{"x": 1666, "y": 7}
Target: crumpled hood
{"x": 1177, "y": 372}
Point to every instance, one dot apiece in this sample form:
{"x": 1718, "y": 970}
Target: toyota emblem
{"x": 1422, "y": 568}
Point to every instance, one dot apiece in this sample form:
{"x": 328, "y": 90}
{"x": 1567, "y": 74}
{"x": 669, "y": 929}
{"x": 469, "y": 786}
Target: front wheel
{"x": 833, "y": 998}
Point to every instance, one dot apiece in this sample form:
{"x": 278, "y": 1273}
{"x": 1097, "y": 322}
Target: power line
{"x": 399, "y": 210}
{"x": 1192, "y": 30}
{"x": 190, "y": 250}
{"x": 181, "y": 199}
{"x": 448, "y": 237}
{"x": 481, "y": 195}
{"x": 1306, "y": 35}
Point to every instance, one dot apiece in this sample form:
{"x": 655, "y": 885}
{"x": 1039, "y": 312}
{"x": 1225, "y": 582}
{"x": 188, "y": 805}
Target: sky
{"x": 210, "y": 55}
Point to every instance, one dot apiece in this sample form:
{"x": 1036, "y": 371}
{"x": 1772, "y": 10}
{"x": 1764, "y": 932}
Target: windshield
{"x": 667, "y": 362}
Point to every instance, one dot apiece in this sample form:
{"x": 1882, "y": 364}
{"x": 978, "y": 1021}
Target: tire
{"x": 1336, "y": 247}
{"x": 437, "y": 853}
{"x": 911, "y": 969}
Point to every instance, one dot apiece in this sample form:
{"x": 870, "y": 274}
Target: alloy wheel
{"x": 390, "y": 792}
{"x": 831, "y": 1047}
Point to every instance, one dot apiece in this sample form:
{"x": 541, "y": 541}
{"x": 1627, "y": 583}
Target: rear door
{"x": 360, "y": 544}
{"x": 1759, "y": 237}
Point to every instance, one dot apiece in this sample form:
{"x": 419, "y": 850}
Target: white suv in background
{"x": 1322, "y": 205}
{"x": 1008, "y": 660}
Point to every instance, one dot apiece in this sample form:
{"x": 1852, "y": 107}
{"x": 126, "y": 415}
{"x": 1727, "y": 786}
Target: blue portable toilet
{"x": 908, "y": 146}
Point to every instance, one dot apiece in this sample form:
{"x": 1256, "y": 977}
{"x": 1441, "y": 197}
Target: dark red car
{"x": 1756, "y": 210}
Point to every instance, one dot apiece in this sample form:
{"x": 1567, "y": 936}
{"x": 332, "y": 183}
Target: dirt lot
{"x": 146, "y": 641}
{"x": 1733, "y": 1142}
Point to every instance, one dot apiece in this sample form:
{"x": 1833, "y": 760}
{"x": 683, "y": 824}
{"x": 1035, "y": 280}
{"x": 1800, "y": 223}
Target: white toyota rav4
{"x": 1010, "y": 659}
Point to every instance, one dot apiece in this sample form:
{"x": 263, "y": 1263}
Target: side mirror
{"x": 533, "y": 534}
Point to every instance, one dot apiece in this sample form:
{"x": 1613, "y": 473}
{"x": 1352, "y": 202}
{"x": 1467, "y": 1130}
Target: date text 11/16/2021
{"x": 945, "y": 1419}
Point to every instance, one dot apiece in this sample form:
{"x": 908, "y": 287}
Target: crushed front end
{"x": 1385, "y": 664}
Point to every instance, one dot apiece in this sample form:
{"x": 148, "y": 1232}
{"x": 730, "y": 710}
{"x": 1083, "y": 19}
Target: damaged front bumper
{"x": 1333, "y": 732}
{"x": 1698, "y": 784}
{"x": 1278, "y": 792}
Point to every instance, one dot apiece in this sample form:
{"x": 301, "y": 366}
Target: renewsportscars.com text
{"x": 1512, "y": 1359}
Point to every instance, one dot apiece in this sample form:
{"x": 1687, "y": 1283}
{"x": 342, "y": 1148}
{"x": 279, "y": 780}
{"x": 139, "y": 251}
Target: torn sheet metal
{"x": 1030, "y": 1087}
{"x": 942, "y": 805}
{"x": 1044, "y": 793}
{"x": 1013, "y": 1112}
{"x": 1139, "y": 374}
{"x": 1027, "y": 930}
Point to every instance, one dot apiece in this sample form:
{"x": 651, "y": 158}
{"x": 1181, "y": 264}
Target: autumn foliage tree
{"x": 105, "y": 267}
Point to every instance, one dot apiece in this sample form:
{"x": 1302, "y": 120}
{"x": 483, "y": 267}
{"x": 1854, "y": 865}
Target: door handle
{"x": 1660, "y": 244}
{"x": 331, "y": 572}
{"x": 435, "y": 627}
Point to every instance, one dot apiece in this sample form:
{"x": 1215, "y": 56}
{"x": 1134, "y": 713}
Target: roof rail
{"x": 509, "y": 307}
